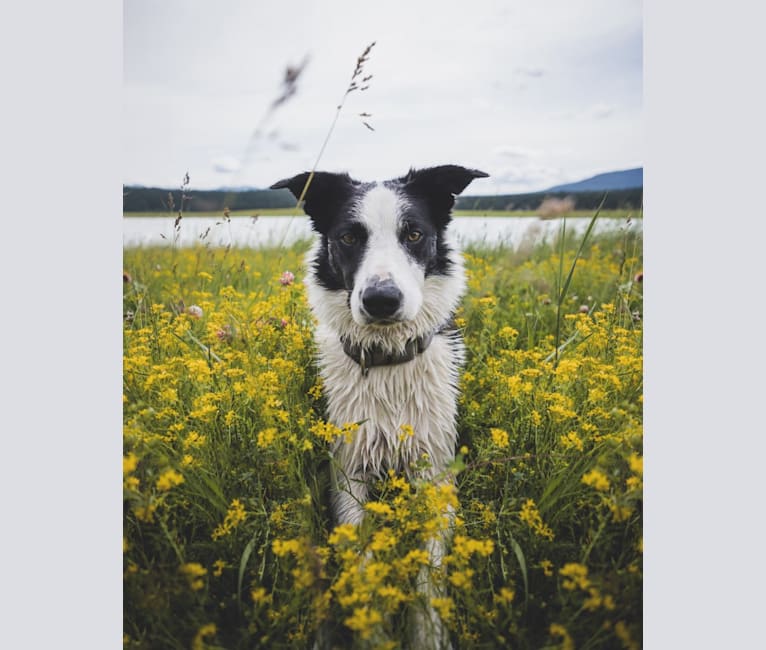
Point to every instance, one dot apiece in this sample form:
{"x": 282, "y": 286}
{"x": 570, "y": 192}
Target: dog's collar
{"x": 374, "y": 355}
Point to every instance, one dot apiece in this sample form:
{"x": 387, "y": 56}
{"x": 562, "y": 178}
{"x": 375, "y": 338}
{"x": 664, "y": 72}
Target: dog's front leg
{"x": 427, "y": 630}
{"x": 349, "y": 494}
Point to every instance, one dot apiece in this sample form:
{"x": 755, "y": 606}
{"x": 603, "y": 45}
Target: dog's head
{"x": 381, "y": 241}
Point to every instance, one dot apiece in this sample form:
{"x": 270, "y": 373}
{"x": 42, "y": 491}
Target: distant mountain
{"x": 620, "y": 180}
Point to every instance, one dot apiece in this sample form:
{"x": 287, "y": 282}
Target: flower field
{"x": 228, "y": 541}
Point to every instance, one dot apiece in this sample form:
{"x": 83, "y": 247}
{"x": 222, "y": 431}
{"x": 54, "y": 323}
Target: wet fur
{"x": 429, "y": 274}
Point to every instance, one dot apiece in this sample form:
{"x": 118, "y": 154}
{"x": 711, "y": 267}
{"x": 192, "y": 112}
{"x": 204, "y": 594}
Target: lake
{"x": 281, "y": 231}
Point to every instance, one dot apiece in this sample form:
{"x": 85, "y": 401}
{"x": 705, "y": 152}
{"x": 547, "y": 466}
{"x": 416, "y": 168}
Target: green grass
{"x": 227, "y": 537}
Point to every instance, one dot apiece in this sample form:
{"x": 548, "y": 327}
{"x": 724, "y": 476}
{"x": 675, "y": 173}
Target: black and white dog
{"x": 383, "y": 281}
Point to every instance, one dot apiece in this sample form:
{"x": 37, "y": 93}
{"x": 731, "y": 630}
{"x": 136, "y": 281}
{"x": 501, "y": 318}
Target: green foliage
{"x": 227, "y": 536}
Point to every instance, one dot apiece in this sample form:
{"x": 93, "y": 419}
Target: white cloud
{"x": 446, "y": 87}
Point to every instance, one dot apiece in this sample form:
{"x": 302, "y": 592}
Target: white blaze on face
{"x": 381, "y": 210}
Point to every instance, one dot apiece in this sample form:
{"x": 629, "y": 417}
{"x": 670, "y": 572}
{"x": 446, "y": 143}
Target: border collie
{"x": 383, "y": 282}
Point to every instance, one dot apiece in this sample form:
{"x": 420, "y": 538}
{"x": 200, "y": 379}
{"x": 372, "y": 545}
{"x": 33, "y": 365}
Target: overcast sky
{"x": 533, "y": 93}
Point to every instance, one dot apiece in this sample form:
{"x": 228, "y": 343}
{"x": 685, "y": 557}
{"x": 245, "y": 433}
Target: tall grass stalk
{"x": 562, "y": 290}
{"x": 352, "y": 86}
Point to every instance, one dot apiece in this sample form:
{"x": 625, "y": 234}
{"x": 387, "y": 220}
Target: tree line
{"x": 159, "y": 200}
{"x": 630, "y": 199}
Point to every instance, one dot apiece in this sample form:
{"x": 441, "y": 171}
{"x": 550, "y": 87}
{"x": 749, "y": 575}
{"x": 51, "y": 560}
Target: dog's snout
{"x": 382, "y": 300}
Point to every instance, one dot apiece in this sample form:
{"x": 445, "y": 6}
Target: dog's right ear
{"x": 325, "y": 196}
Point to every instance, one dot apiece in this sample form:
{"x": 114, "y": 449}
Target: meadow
{"x": 227, "y": 539}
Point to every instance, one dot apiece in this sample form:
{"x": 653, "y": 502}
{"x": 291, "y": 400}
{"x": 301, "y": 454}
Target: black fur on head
{"x": 438, "y": 186}
{"x": 332, "y": 201}
{"x": 327, "y": 195}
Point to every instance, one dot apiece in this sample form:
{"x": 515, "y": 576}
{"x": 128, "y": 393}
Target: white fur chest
{"x": 421, "y": 393}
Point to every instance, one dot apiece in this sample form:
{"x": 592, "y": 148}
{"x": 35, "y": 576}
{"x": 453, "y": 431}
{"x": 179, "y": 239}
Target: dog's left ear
{"x": 439, "y": 186}
{"x": 326, "y": 194}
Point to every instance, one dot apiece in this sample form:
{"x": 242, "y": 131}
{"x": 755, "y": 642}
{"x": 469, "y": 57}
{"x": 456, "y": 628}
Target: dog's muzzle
{"x": 381, "y": 301}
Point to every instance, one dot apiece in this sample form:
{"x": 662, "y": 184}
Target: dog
{"x": 383, "y": 282}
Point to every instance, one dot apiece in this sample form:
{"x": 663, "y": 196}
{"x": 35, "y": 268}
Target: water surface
{"x": 282, "y": 231}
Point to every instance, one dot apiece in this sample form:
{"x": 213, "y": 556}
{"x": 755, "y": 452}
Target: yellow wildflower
{"x": 505, "y": 596}
{"x": 594, "y": 600}
{"x": 129, "y": 463}
{"x": 260, "y": 596}
{"x": 168, "y": 479}
{"x": 508, "y": 332}
{"x": 499, "y": 437}
{"x": 234, "y": 517}
{"x": 415, "y": 556}
{"x": 547, "y": 567}
{"x": 316, "y": 390}
{"x": 266, "y": 437}
{"x": 145, "y": 512}
{"x": 392, "y": 594}
{"x": 464, "y": 547}
{"x": 576, "y": 576}
{"x": 382, "y": 540}
{"x": 282, "y": 547}
{"x": 348, "y": 430}
{"x": 194, "y": 572}
{"x": 444, "y": 606}
{"x": 398, "y": 482}
{"x": 325, "y": 431}
{"x": 364, "y": 621}
{"x": 597, "y": 480}
{"x": 488, "y": 301}
{"x": 558, "y": 630}
{"x": 531, "y": 516}
{"x": 379, "y": 508}
{"x": 560, "y": 413}
{"x": 194, "y": 439}
{"x": 620, "y": 513}
{"x": 375, "y": 573}
{"x": 406, "y": 432}
{"x": 462, "y": 579}
{"x": 342, "y": 533}
{"x": 571, "y": 440}
{"x": 198, "y": 643}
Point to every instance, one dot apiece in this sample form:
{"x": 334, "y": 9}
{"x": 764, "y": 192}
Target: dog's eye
{"x": 414, "y": 235}
{"x": 348, "y": 239}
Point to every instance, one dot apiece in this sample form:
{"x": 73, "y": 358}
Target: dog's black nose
{"x": 382, "y": 300}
